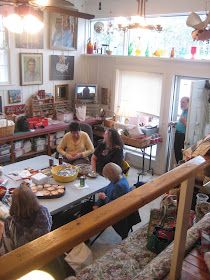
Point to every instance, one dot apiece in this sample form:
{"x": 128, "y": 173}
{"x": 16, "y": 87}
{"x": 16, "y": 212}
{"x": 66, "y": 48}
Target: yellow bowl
{"x": 63, "y": 179}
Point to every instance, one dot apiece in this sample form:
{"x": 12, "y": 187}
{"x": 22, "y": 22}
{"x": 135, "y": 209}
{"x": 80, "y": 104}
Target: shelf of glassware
{"x": 152, "y": 58}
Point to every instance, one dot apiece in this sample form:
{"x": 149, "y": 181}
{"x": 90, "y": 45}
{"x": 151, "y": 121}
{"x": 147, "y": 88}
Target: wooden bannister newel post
{"x": 185, "y": 200}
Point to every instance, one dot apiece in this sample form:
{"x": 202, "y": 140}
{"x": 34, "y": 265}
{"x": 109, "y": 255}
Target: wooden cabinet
{"x": 40, "y": 132}
{"x": 42, "y": 107}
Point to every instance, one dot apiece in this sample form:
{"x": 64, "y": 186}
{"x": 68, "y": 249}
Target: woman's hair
{"x": 112, "y": 171}
{"x": 24, "y": 203}
{"x": 74, "y": 126}
{"x": 114, "y": 138}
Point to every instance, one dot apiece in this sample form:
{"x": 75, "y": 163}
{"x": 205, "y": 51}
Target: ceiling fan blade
{"x": 69, "y": 12}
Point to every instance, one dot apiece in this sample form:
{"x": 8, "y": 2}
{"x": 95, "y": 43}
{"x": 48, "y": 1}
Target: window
{"x": 4, "y": 54}
{"x": 138, "y": 92}
{"x": 176, "y": 34}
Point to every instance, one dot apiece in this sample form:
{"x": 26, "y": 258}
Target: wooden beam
{"x": 68, "y": 12}
{"x": 182, "y": 224}
{"x": 42, "y": 250}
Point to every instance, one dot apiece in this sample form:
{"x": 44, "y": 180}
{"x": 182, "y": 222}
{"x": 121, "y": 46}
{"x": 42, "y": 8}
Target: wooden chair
{"x": 125, "y": 167}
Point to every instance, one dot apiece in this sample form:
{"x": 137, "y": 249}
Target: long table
{"x": 72, "y": 195}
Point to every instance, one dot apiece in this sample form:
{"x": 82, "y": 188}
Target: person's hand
{"x": 101, "y": 195}
{"x": 95, "y": 207}
{"x": 78, "y": 155}
{"x": 73, "y": 156}
{"x": 183, "y": 120}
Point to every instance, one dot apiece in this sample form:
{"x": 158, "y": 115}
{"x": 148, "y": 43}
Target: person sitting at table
{"x": 76, "y": 145}
{"x": 117, "y": 187}
{"x": 28, "y": 220}
{"x": 110, "y": 150}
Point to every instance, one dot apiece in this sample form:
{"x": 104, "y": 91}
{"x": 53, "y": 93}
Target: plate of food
{"x": 92, "y": 174}
{"x": 84, "y": 169}
{"x": 48, "y": 191}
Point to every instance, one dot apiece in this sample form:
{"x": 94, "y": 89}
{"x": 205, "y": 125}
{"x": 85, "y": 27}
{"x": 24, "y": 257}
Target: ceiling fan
{"x": 201, "y": 31}
{"x": 50, "y": 6}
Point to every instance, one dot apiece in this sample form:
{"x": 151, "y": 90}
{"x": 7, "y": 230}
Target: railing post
{"x": 185, "y": 200}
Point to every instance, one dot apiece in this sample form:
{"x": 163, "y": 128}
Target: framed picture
{"x": 1, "y": 106}
{"x": 61, "y": 67}
{"x": 61, "y": 92}
{"x": 104, "y": 96}
{"x": 63, "y": 32}
{"x": 30, "y": 40}
{"x": 14, "y": 96}
{"x": 31, "y": 69}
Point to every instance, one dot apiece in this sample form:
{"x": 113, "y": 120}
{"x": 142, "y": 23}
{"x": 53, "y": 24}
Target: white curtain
{"x": 139, "y": 92}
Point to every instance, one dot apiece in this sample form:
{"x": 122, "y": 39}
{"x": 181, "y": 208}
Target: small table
{"x": 72, "y": 194}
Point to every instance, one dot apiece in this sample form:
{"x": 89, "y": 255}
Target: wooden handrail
{"x": 39, "y": 252}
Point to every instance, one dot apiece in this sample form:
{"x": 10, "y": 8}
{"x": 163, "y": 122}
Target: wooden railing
{"x": 42, "y": 250}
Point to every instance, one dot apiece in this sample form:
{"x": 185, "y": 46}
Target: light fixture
{"x": 138, "y": 21}
{"x": 37, "y": 274}
{"x": 23, "y": 18}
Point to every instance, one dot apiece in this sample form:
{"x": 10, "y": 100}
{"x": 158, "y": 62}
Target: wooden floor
{"x": 194, "y": 267}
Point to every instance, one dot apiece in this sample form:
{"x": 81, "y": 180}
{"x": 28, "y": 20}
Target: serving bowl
{"x": 64, "y": 179}
{"x": 3, "y": 190}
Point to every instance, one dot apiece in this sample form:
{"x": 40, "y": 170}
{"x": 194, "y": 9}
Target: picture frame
{"x": 31, "y": 69}
{"x": 63, "y": 32}
{"x": 14, "y": 96}
{"x": 104, "y": 96}
{"x": 61, "y": 67}
{"x": 61, "y": 92}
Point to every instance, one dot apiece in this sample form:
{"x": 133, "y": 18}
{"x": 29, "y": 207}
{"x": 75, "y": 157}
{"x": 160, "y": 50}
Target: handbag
{"x": 160, "y": 239}
{"x": 162, "y": 225}
{"x": 79, "y": 257}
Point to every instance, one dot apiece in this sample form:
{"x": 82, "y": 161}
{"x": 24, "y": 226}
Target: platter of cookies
{"x": 48, "y": 190}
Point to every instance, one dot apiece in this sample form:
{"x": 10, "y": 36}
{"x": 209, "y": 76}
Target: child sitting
{"x": 116, "y": 188}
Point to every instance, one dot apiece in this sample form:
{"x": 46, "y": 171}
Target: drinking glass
{"x": 193, "y": 52}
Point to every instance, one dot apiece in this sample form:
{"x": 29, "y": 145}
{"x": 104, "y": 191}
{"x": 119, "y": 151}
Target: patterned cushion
{"x": 131, "y": 259}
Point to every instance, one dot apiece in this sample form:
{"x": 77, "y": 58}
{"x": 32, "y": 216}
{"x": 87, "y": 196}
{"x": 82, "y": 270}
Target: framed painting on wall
{"x": 61, "y": 67}
{"x": 61, "y": 92}
{"x": 63, "y": 32}
{"x": 31, "y": 69}
{"x": 14, "y": 96}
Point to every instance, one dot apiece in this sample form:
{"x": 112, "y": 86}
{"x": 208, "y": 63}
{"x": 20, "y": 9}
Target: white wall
{"x": 111, "y": 8}
{"x": 102, "y": 70}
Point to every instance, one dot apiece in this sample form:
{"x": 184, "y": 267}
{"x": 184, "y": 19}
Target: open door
{"x": 197, "y": 113}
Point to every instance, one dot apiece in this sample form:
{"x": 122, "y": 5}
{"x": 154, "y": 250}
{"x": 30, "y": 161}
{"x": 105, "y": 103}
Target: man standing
{"x": 181, "y": 129}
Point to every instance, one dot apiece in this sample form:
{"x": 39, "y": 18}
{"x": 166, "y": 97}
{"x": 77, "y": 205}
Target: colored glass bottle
{"x": 89, "y": 47}
{"x": 130, "y": 49}
{"x": 172, "y": 54}
{"x": 147, "y": 51}
{"x": 137, "y": 52}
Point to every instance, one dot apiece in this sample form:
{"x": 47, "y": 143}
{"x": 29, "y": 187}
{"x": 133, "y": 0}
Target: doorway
{"x": 197, "y": 120}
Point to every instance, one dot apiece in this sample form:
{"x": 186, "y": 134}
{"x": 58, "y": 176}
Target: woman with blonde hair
{"x": 28, "y": 220}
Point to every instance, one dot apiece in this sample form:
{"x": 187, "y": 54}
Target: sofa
{"x": 131, "y": 260}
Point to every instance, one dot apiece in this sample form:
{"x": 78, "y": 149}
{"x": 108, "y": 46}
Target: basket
{"x": 137, "y": 143}
{"x": 63, "y": 179}
{"x": 7, "y": 130}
